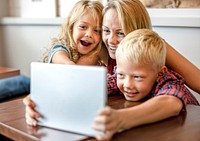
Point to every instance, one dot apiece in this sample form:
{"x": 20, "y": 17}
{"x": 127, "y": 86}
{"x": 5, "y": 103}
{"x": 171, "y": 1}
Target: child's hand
{"x": 108, "y": 121}
{"x": 31, "y": 115}
{"x": 89, "y": 59}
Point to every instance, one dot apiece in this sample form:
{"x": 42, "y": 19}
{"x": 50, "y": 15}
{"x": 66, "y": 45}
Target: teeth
{"x": 112, "y": 48}
{"x": 132, "y": 92}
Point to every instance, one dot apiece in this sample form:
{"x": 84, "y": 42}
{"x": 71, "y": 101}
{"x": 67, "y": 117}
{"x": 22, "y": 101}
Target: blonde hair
{"x": 66, "y": 35}
{"x": 131, "y": 13}
{"x": 142, "y": 46}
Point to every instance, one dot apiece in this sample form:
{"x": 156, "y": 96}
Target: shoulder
{"x": 171, "y": 83}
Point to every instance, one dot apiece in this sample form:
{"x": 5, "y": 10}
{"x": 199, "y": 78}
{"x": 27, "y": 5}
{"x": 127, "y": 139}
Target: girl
{"x": 80, "y": 35}
{"x": 79, "y": 41}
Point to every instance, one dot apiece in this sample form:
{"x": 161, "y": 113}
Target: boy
{"x": 141, "y": 73}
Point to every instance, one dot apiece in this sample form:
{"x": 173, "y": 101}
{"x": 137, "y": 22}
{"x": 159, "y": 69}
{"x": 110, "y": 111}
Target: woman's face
{"x": 112, "y": 31}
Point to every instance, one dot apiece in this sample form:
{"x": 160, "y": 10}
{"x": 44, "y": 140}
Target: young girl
{"x": 79, "y": 41}
{"x": 142, "y": 74}
{"x": 80, "y": 37}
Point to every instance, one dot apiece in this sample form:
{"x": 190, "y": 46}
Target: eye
{"x": 97, "y": 30}
{"x": 120, "y": 75}
{"x": 82, "y": 26}
{"x": 138, "y": 78}
{"x": 106, "y": 31}
{"x": 121, "y": 34}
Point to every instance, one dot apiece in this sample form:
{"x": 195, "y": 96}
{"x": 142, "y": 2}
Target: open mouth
{"x": 112, "y": 49}
{"x": 84, "y": 43}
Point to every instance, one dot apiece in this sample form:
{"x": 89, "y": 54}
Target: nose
{"x": 129, "y": 83}
{"x": 112, "y": 39}
{"x": 88, "y": 33}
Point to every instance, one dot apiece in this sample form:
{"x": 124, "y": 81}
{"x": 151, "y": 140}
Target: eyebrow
{"x": 85, "y": 22}
{"x": 116, "y": 30}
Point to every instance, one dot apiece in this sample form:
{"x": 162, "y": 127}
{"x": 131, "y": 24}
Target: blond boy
{"x": 141, "y": 73}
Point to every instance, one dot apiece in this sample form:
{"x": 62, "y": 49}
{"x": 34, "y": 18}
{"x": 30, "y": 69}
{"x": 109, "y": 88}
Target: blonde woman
{"x": 121, "y": 17}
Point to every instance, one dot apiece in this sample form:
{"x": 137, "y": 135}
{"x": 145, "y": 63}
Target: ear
{"x": 163, "y": 69}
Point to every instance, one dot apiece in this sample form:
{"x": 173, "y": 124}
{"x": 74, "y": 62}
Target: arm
{"x": 61, "y": 57}
{"x": 60, "y": 54}
{"x": 180, "y": 64}
{"x": 155, "y": 109}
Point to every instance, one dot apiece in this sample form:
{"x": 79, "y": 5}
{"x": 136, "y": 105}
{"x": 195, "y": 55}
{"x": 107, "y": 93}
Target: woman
{"x": 120, "y": 17}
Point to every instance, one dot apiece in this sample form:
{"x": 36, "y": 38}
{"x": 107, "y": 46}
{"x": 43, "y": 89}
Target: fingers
{"x": 28, "y": 102}
{"x": 30, "y": 120}
{"x": 104, "y": 115}
{"x": 30, "y": 114}
{"x": 104, "y": 119}
{"x": 107, "y": 122}
{"x": 106, "y": 136}
{"x": 106, "y": 111}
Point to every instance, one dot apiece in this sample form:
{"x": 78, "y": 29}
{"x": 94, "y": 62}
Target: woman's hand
{"x": 107, "y": 121}
{"x": 31, "y": 115}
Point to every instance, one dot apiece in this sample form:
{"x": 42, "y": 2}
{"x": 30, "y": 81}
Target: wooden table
{"x": 185, "y": 127}
{"x": 8, "y": 72}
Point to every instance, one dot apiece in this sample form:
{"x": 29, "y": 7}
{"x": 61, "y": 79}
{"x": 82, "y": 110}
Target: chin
{"x": 133, "y": 99}
{"x": 112, "y": 56}
{"x": 130, "y": 99}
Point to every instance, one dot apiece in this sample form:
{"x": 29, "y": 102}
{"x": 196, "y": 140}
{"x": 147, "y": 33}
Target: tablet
{"x": 68, "y": 96}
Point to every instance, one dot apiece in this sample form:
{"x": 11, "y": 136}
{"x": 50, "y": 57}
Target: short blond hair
{"x": 142, "y": 46}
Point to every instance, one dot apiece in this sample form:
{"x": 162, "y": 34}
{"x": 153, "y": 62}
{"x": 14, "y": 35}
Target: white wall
{"x": 185, "y": 40}
{"x": 24, "y": 42}
{"x": 181, "y": 29}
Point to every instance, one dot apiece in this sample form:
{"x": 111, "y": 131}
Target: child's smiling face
{"x": 135, "y": 81}
{"x": 86, "y": 33}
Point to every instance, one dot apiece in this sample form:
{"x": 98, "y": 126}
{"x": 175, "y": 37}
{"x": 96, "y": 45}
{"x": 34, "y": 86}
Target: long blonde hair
{"x": 131, "y": 13}
{"x": 65, "y": 36}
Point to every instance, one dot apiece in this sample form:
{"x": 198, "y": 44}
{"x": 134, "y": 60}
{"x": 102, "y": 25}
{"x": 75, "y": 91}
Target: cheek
{"x": 120, "y": 84}
{"x": 98, "y": 38}
{"x": 74, "y": 34}
{"x": 120, "y": 39}
{"x": 145, "y": 87}
{"x": 104, "y": 38}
